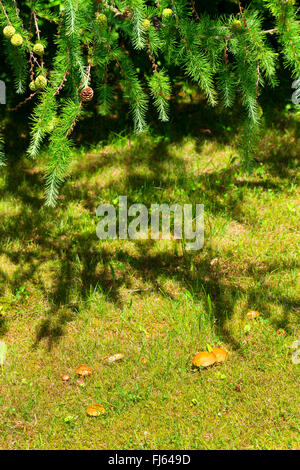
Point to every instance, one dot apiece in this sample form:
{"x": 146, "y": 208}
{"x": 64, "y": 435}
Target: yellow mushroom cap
{"x": 220, "y": 353}
{"x": 204, "y": 359}
{"x": 96, "y": 410}
{"x": 253, "y": 314}
{"x": 84, "y": 370}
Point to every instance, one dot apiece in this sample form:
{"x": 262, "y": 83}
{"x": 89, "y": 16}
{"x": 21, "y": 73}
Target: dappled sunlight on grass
{"x": 68, "y": 298}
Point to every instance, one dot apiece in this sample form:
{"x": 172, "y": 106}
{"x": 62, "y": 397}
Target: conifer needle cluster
{"x": 228, "y": 57}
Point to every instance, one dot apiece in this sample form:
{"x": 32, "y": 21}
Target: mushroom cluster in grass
{"x": 209, "y": 358}
{"x": 84, "y": 371}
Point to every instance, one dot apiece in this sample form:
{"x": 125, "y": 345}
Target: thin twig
{"x": 151, "y": 57}
{"x": 22, "y": 102}
{"x": 38, "y": 35}
{"x": 62, "y": 84}
{"x": 194, "y": 11}
{"x": 5, "y": 13}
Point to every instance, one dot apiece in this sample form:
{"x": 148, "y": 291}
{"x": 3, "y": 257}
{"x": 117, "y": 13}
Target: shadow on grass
{"x": 32, "y": 224}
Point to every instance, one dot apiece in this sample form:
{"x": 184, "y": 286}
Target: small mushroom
{"x": 65, "y": 378}
{"x": 84, "y": 370}
{"x": 204, "y": 359}
{"x": 96, "y": 410}
{"x": 253, "y": 314}
{"x": 220, "y": 353}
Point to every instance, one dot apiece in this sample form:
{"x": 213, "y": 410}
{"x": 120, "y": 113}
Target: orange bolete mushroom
{"x": 65, "y": 377}
{"x": 220, "y": 353}
{"x": 253, "y": 315}
{"x": 84, "y": 370}
{"x": 96, "y": 410}
{"x": 204, "y": 359}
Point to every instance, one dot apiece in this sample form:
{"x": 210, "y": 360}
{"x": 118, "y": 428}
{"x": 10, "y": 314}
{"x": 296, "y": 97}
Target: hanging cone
{"x": 87, "y": 94}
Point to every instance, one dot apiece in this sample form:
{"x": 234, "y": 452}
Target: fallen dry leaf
{"x": 115, "y": 357}
{"x": 296, "y": 357}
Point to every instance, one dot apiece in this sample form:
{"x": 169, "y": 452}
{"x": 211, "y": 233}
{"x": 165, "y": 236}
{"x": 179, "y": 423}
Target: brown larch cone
{"x": 87, "y": 94}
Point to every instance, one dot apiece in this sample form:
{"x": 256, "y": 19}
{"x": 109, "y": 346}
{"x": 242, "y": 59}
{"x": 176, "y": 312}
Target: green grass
{"x": 68, "y": 298}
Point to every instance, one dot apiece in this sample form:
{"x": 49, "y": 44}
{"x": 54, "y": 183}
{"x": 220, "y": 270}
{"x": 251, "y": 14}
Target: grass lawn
{"x": 68, "y": 298}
